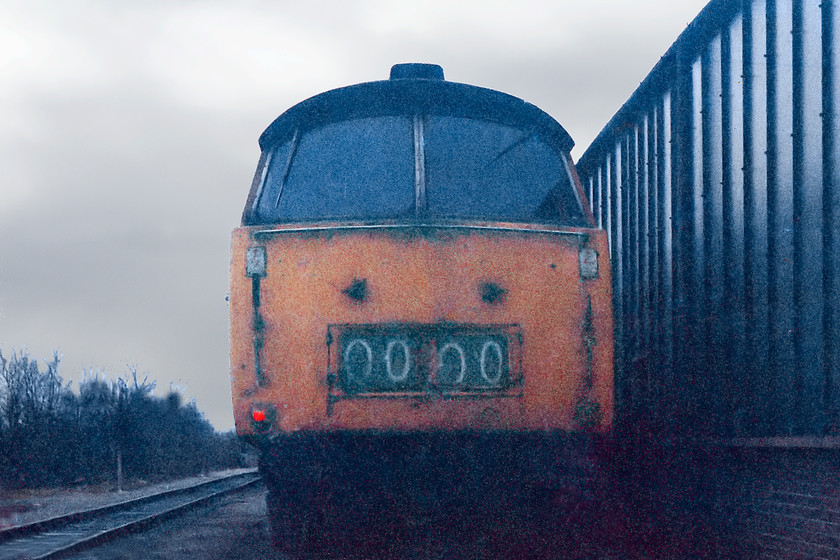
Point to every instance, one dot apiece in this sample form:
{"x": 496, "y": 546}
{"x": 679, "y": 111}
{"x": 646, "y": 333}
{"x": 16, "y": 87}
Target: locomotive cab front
{"x": 417, "y": 268}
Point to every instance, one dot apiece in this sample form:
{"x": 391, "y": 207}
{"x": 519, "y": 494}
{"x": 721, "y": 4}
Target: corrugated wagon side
{"x": 718, "y": 184}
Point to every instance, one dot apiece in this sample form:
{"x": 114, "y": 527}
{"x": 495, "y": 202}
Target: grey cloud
{"x": 121, "y": 253}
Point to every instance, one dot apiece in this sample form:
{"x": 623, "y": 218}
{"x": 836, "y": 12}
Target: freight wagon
{"x": 717, "y": 183}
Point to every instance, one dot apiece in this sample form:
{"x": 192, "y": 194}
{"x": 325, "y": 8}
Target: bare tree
{"x": 50, "y": 435}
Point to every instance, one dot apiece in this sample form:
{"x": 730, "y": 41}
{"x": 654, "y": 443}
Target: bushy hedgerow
{"x": 51, "y": 435}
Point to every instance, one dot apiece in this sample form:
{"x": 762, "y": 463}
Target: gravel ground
{"x": 234, "y": 528}
{"x": 28, "y": 506}
{"x": 505, "y": 523}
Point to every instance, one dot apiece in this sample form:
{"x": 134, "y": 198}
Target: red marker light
{"x": 258, "y": 415}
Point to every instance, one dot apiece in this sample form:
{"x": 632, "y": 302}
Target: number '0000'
{"x": 359, "y": 359}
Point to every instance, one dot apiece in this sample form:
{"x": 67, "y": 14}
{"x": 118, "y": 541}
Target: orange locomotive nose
{"x": 417, "y": 266}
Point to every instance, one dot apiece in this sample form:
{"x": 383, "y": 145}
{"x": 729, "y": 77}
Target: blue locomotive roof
{"x": 414, "y": 147}
{"x": 414, "y": 89}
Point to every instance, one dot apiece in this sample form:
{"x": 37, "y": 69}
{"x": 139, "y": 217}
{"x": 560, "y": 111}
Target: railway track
{"x": 66, "y": 534}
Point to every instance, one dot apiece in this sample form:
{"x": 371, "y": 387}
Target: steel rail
{"x": 81, "y": 530}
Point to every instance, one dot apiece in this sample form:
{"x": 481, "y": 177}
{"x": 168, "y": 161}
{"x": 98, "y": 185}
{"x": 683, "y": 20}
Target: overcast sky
{"x": 128, "y": 140}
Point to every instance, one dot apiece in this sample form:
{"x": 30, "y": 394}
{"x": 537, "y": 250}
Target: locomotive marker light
{"x": 588, "y": 263}
{"x": 263, "y": 416}
{"x": 255, "y": 261}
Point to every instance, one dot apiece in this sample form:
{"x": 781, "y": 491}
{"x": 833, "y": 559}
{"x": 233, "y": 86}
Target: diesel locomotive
{"x": 417, "y": 270}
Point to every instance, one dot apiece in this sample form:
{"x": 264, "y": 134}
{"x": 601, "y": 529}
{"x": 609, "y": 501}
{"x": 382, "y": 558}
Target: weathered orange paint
{"x": 420, "y": 275}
